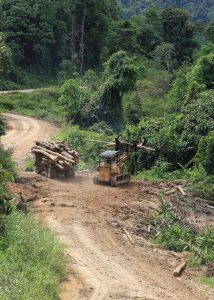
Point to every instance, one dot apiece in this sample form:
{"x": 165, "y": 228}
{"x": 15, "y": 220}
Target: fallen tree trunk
{"x": 181, "y": 190}
{"x": 40, "y": 151}
{"x": 177, "y": 272}
{"x": 56, "y": 154}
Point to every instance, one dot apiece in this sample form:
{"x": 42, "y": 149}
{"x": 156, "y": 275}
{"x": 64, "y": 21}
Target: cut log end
{"x": 178, "y": 271}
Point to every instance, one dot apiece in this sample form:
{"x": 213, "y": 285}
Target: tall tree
{"x": 151, "y": 30}
{"x": 35, "y": 31}
{"x": 210, "y": 32}
{"x": 178, "y": 31}
{"x": 164, "y": 56}
{"x": 119, "y": 77}
{"x": 5, "y": 56}
{"x": 89, "y": 22}
{"x": 198, "y": 9}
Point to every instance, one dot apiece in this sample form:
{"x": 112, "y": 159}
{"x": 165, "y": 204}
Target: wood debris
{"x": 177, "y": 272}
{"x": 128, "y": 235}
{"x": 173, "y": 188}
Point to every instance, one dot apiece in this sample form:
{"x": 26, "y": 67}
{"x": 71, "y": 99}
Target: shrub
{"x": 174, "y": 235}
{"x": 41, "y": 103}
{"x": 84, "y": 142}
{"x": 205, "y": 153}
{"x": 102, "y": 128}
{"x": 30, "y": 165}
{"x": 6, "y": 163}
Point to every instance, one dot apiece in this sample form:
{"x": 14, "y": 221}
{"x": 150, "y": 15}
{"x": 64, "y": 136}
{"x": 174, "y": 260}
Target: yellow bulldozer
{"x": 111, "y": 166}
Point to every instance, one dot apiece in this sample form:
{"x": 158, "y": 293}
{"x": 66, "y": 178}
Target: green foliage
{"x": 132, "y": 109}
{"x": 203, "y": 72}
{"x": 85, "y": 102}
{"x": 161, "y": 170}
{"x": 7, "y": 173}
{"x": 199, "y": 10}
{"x": 198, "y": 120}
{"x": 2, "y": 129}
{"x": 66, "y": 70}
{"x": 72, "y": 94}
{"x": 30, "y": 165}
{"x": 164, "y": 56}
{"x": 209, "y": 281}
{"x": 35, "y": 31}
{"x": 123, "y": 35}
{"x": 18, "y": 78}
{"x": 151, "y": 30}
{"x": 205, "y": 153}
{"x": 203, "y": 248}
{"x": 178, "y": 31}
{"x": 187, "y": 86}
{"x": 32, "y": 261}
{"x": 161, "y": 134}
{"x": 102, "y": 128}
{"x": 173, "y": 235}
{"x": 7, "y": 165}
{"x": 210, "y": 32}
{"x": 121, "y": 71}
{"x": 137, "y": 35}
{"x": 201, "y": 184}
{"x": 5, "y": 56}
{"x": 177, "y": 94}
{"x": 41, "y": 103}
{"x": 44, "y": 34}
{"x": 88, "y": 34}
{"x": 176, "y": 136}
{"x": 84, "y": 142}
{"x": 149, "y": 100}
{"x": 120, "y": 77}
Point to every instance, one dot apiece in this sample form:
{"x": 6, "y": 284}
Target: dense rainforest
{"x": 200, "y": 10}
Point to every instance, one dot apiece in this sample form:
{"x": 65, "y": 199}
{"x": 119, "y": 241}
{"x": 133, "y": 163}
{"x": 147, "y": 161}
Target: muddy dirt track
{"x": 91, "y": 221}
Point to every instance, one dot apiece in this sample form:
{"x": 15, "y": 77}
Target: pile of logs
{"x": 56, "y": 153}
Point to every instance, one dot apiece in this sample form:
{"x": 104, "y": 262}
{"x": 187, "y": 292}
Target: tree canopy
{"x": 199, "y": 10}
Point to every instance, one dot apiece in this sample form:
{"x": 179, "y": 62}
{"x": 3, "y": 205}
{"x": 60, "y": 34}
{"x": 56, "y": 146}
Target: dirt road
{"x": 90, "y": 221}
{"x": 22, "y": 132}
{"x": 19, "y": 91}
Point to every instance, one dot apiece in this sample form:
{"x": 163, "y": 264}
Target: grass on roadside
{"x": 30, "y": 165}
{"x": 41, "y": 103}
{"x": 174, "y": 234}
{"x": 209, "y": 281}
{"x": 32, "y": 261}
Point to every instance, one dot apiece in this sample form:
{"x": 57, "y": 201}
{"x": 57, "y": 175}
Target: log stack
{"x": 58, "y": 154}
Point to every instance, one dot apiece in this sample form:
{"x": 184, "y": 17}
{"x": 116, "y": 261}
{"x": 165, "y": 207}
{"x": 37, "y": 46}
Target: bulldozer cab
{"x": 108, "y": 165}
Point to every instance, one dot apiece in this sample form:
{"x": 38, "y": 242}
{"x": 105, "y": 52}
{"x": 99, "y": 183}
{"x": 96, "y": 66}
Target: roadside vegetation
{"x": 32, "y": 260}
{"x": 47, "y": 106}
{"x": 177, "y": 232}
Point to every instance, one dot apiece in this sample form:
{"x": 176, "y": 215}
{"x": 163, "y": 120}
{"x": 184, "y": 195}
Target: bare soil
{"x": 92, "y": 222}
